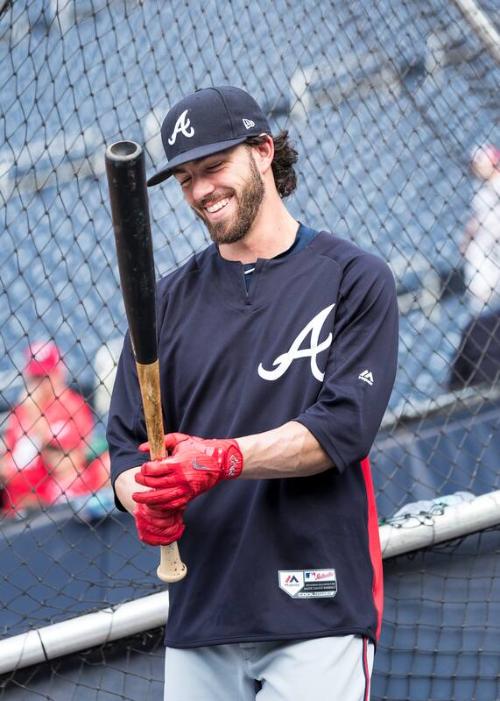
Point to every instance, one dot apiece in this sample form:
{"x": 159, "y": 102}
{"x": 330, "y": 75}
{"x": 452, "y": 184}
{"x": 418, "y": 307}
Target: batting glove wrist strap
{"x": 228, "y": 455}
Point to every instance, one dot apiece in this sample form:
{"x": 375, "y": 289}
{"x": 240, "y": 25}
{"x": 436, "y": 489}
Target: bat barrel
{"x": 126, "y": 173}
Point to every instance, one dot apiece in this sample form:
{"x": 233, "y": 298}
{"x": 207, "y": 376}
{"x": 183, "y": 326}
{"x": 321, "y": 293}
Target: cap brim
{"x": 193, "y": 155}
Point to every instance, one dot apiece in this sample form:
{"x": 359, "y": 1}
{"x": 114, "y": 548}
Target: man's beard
{"x": 248, "y": 205}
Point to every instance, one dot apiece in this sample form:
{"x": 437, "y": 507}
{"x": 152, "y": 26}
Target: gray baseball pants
{"x": 334, "y": 669}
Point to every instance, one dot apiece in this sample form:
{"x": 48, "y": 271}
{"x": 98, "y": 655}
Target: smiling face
{"x": 225, "y": 191}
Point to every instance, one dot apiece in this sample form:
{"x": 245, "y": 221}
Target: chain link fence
{"x": 394, "y": 109}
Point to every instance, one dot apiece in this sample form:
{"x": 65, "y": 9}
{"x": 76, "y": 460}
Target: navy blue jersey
{"x": 314, "y": 340}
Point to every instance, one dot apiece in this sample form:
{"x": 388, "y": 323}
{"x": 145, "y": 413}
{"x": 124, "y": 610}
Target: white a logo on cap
{"x": 248, "y": 123}
{"x": 182, "y": 125}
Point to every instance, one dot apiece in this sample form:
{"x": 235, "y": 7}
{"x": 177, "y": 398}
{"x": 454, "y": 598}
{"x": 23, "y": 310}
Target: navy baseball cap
{"x": 206, "y": 122}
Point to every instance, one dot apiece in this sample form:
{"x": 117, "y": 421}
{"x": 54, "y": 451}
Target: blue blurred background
{"x": 385, "y": 103}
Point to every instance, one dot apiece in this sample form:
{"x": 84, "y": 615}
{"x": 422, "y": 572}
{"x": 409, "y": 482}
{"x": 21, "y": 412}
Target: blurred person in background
{"x": 477, "y": 360}
{"x": 481, "y": 242}
{"x": 48, "y": 411}
{"x": 478, "y": 357}
{"x": 62, "y": 473}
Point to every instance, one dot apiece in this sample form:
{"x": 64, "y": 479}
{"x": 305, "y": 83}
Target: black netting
{"x": 389, "y": 104}
{"x": 439, "y": 640}
{"x": 131, "y": 668}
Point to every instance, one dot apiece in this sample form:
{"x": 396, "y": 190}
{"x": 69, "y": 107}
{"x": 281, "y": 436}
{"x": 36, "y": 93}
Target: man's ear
{"x": 264, "y": 153}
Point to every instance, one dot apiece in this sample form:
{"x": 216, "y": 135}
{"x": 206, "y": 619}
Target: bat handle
{"x": 171, "y": 568}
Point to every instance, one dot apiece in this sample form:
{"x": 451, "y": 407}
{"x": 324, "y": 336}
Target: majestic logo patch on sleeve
{"x": 366, "y": 376}
{"x": 283, "y": 362}
{"x": 308, "y": 584}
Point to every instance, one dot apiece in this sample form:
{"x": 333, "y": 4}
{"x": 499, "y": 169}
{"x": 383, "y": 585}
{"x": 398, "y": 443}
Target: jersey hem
{"x": 363, "y": 632}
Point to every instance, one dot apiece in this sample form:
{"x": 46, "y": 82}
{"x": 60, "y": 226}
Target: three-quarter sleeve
{"x": 361, "y": 366}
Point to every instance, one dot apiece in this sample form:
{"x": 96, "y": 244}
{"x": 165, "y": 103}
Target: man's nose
{"x": 202, "y": 187}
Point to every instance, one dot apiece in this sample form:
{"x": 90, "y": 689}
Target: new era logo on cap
{"x": 207, "y": 122}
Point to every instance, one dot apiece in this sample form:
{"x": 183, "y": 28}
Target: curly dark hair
{"x": 285, "y": 156}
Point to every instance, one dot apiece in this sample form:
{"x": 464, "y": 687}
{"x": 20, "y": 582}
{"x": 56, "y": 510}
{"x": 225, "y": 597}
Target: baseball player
{"x": 277, "y": 350}
{"x": 50, "y": 417}
{"x": 481, "y": 241}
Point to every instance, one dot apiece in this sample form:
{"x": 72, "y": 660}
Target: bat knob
{"x": 123, "y": 151}
{"x": 171, "y": 568}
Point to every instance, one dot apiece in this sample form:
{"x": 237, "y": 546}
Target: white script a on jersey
{"x": 182, "y": 125}
{"x": 283, "y": 362}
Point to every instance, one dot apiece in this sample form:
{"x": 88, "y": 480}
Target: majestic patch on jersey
{"x": 283, "y": 361}
{"x": 308, "y": 584}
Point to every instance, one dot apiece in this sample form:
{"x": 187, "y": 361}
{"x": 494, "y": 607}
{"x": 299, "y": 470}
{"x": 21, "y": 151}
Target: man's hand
{"x": 194, "y": 465}
{"x": 158, "y": 526}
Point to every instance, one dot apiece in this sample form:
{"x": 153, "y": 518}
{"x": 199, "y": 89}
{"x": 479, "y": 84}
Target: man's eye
{"x": 185, "y": 182}
{"x": 214, "y": 166}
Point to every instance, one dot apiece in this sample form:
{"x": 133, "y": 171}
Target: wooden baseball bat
{"x": 126, "y": 175}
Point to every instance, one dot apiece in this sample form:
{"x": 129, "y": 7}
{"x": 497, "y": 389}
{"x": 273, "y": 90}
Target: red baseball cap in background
{"x": 42, "y": 358}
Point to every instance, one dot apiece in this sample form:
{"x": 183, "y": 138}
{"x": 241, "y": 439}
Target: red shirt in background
{"x": 36, "y": 486}
{"x": 68, "y": 412}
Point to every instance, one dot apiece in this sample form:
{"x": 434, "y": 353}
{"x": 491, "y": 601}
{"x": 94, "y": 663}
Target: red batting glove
{"x": 194, "y": 466}
{"x": 157, "y": 526}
